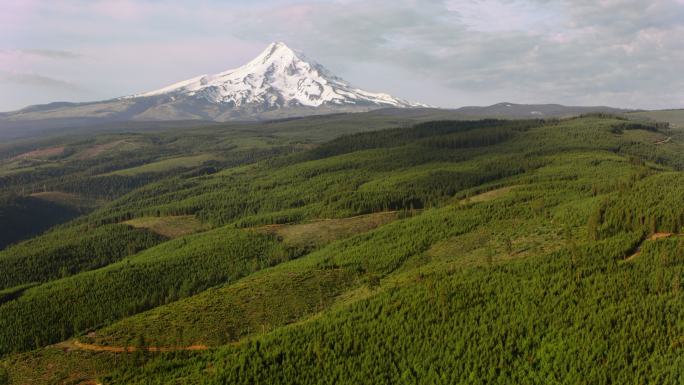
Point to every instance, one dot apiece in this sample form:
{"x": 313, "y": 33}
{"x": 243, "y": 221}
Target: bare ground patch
{"x": 488, "y": 195}
{"x": 41, "y": 153}
{"x": 75, "y": 344}
{"x": 322, "y": 231}
{"x": 653, "y": 237}
{"x": 98, "y": 149}
{"x": 171, "y": 226}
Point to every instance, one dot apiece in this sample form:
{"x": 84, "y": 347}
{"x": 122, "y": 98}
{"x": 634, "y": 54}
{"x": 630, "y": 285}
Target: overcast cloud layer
{"x": 624, "y": 53}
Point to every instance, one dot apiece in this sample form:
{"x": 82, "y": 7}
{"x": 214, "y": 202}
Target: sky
{"x": 446, "y": 53}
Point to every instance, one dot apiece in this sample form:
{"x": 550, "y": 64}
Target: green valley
{"x": 433, "y": 251}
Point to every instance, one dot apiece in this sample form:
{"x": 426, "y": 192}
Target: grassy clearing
{"x": 320, "y": 232}
{"x": 56, "y": 365}
{"x": 488, "y": 196}
{"x": 500, "y": 242}
{"x": 167, "y": 164}
{"x": 171, "y": 227}
{"x": 106, "y": 148}
{"x": 42, "y": 153}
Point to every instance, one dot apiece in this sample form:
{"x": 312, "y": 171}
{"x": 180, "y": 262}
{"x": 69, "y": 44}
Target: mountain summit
{"x": 278, "y": 83}
{"x": 279, "y": 77}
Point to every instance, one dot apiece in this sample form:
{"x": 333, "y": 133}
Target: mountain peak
{"x": 278, "y": 77}
{"x": 277, "y": 51}
{"x": 279, "y": 46}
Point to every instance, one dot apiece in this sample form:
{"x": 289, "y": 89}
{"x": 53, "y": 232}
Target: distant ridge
{"x": 512, "y": 110}
{"x": 13, "y": 129}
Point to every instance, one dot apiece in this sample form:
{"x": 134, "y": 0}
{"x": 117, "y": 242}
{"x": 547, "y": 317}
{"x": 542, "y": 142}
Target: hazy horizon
{"x": 448, "y": 53}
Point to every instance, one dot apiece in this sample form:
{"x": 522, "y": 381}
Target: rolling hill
{"x": 318, "y": 250}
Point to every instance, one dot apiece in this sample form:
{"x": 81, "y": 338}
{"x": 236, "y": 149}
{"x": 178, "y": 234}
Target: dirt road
{"x": 653, "y": 237}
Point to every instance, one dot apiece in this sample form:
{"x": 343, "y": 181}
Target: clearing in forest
{"x": 41, "y": 153}
{"x": 323, "y": 231}
{"x": 171, "y": 227}
{"x": 98, "y": 149}
{"x": 488, "y": 195}
{"x": 75, "y": 344}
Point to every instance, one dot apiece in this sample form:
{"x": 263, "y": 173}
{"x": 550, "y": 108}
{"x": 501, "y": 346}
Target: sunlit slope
{"x": 481, "y": 208}
{"x": 525, "y": 294}
{"x": 70, "y": 172}
{"x": 509, "y": 227}
{"x": 173, "y": 270}
{"x": 69, "y": 250}
{"x": 384, "y": 171}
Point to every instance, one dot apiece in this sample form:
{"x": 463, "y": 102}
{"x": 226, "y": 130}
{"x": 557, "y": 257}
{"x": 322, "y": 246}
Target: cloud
{"x": 50, "y": 53}
{"x": 618, "y": 52}
{"x": 20, "y": 54}
{"x": 31, "y": 79}
{"x": 625, "y": 52}
{"x": 498, "y": 16}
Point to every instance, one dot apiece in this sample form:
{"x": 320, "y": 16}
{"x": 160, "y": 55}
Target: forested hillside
{"x": 79, "y": 169}
{"x": 491, "y": 251}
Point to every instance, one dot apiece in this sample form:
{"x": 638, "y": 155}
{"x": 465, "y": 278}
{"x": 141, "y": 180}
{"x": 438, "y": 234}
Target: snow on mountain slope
{"x": 279, "y": 77}
{"x": 279, "y": 83}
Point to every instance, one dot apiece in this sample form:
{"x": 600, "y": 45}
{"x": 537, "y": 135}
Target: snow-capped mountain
{"x": 279, "y": 77}
{"x": 279, "y": 83}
